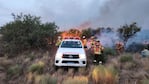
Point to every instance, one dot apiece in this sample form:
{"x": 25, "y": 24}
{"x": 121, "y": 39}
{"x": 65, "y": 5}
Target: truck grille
{"x": 73, "y": 62}
{"x": 69, "y": 56}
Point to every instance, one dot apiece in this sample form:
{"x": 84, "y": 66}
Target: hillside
{"x": 36, "y": 67}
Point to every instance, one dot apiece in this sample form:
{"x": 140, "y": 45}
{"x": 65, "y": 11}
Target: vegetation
{"x": 109, "y": 51}
{"x": 145, "y": 81}
{"x": 26, "y": 32}
{"x": 47, "y": 79}
{"x": 14, "y": 70}
{"x": 103, "y": 75}
{"x": 128, "y": 31}
{"x": 76, "y": 80}
{"x": 37, "y": 67}
{"x": 126, "y": 58}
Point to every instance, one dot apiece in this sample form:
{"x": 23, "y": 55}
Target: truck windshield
{"x": 71, "y": 44}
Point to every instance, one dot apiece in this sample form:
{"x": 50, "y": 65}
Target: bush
{"x": 14, "y": 70}
{"x": 47, "y": 79}
{"x": 76, "y": 80}
{"x": 109, "y": 51}
{"x": 103, "y": 75}
{"x": 37, "y": 67}
{"x": 27, "y": 32}
{"x": 126, "y": 58}
{"x": 31, "y": 56}
{"x": 145, "y": 81}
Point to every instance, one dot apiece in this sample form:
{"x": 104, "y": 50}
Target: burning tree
{"x": 128, "y": 31}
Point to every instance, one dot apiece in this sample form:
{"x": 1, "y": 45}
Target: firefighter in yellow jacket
{"x": 98, "y": 52}
{"x": 58, "y": 41}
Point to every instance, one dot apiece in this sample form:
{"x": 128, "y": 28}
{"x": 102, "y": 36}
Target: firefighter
{"x": 92, "y": 42}
{"x": 58, "y": 41}
{"x": 98, "y": 52}
{"x": 119, "y": 47}
{"x": 84, "y": 41}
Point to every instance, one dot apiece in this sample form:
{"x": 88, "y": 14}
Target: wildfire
{"x": 71, "y": 34}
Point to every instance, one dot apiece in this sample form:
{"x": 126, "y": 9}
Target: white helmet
{"x": 84, "y": 37}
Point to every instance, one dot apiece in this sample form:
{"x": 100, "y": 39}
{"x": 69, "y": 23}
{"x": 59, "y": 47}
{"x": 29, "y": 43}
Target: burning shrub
{"x": 38, "y": 67}
{"x": 76, "y": 80}
{"x": 103, "y": 75}
{"x": 126, "y": 58}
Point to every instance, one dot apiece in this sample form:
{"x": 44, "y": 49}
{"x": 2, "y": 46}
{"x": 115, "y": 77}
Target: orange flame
{"x": 72, "y": 33}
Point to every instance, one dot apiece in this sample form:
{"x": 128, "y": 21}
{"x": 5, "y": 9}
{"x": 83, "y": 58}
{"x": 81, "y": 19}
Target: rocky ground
{"x": 36, "y": 67}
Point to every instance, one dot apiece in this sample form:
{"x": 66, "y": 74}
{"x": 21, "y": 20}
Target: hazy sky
{"x": 72, "y": 13}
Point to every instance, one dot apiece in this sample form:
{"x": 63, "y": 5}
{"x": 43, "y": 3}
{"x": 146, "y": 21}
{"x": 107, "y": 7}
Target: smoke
{"x": 107, "y": 13}
{"x": 108, "y": 39}
{"x": 118, "y": 12}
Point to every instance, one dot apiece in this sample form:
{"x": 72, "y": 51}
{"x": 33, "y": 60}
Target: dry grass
{"x": 37, "y": 67}
{"x": 103, "y": 75}
{"x": 145, "y": 81}
{"x": 40, "y": 79}
{"x": 14, "y": 70}
{"x": 76, "y": 80}
{"x": 126, "y": 57}
{"x": 145, "y": 62}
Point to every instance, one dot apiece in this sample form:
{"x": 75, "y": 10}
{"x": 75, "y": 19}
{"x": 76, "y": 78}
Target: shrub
{"x": 76, "y": 80}
{"x": 26, "y": 32}
{"x": 14, "y": 70}
{"x": 103, "y": 75}
{"x": 109, "y": 51}
{"x": 37, "y": 67}
{"x": 145, "y": 81}
{"x": 126, "y": 58}
{"x": 31, "y": 56}
{"x": 47, "y": 79}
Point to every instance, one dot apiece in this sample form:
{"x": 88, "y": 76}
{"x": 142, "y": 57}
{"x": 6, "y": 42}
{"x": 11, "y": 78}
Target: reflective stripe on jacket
{"x": 98, "y": 49}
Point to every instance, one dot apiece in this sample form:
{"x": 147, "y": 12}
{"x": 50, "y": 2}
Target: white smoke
{"x": 108, "y": 39}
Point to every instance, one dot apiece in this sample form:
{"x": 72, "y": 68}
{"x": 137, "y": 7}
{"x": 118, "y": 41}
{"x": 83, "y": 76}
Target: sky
{"x": 75, "y": 13}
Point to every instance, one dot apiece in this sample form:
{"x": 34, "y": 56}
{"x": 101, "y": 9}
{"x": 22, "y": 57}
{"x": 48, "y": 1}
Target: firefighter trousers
{"x": 99, "y": 57}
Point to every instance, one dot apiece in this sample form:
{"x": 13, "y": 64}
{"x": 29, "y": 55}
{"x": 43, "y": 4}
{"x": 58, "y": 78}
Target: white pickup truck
{"x": 71, "y": 53}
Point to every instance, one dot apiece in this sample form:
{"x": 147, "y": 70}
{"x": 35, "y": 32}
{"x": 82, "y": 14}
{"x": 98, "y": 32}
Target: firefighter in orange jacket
{"x": 98, "y": 52}
{"x": 119, "y": 47}
{"x": 58, "y": 41}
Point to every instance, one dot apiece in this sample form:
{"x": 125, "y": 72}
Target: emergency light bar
{"x": 72, "y": 38}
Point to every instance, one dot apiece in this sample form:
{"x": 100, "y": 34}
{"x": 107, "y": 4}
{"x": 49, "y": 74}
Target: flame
{"x": 71, "y": 34}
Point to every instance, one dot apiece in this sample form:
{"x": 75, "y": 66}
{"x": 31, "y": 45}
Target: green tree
{"x": 128, "y": 31}
{"x": 26, "y": 32}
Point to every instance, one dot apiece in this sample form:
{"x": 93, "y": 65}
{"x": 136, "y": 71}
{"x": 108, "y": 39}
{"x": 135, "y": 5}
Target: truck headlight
{"x": 58, "y": 55}
{"x": 82, "y": 56}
